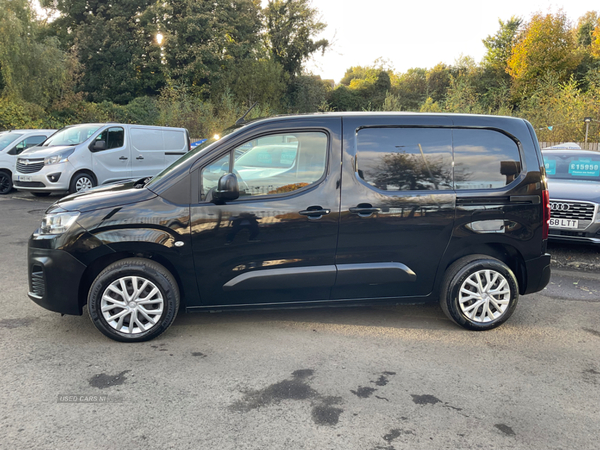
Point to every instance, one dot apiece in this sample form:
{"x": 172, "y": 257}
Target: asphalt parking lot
{"x": 351, "y": 378}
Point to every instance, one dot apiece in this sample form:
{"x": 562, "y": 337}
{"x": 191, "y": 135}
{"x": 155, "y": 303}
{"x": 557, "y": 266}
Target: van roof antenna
{"x": 241, "y": 119}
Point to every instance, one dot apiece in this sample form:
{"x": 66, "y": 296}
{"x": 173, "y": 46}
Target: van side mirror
{"x": 227, "y": 189}
{"x": 98, "y": 145}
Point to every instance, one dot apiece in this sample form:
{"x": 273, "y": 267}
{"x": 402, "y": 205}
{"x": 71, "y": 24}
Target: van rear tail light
{"x": 546, "y": 213}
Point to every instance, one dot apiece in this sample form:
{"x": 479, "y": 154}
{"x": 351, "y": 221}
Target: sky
{"x": 418, "y": 33}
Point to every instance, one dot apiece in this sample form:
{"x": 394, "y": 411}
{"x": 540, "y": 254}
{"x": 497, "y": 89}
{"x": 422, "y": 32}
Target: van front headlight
{"x": 60, "y": 158}
{"x": 58, "y": 223}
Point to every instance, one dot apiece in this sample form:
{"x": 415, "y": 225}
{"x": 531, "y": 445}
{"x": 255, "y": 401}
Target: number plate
{"x": 23, "y": 178}
{"x": 564, "y": 223}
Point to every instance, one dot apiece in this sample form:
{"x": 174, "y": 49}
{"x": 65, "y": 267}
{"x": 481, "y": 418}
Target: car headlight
{"x": 58, "y": 223}
{"x": 55, "y": 159}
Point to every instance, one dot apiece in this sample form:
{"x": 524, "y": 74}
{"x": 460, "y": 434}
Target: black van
{"x": 310, "y": 210}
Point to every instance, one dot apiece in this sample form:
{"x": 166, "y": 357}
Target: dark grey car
{"x": 574, "y": 185}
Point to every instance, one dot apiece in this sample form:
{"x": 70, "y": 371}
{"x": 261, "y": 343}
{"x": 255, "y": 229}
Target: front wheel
{"x": 479, "y": 292}
{"x": 133, "y": 300}
{"x": 6, "y": 184}
{"x": 81, "y": 183}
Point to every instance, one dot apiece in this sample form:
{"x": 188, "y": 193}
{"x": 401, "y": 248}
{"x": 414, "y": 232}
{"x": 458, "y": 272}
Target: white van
{"x": 79, "y": 157}
{"x": 12, "y": 143}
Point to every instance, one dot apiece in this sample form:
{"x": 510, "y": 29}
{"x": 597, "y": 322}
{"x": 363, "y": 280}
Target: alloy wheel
{"x": 132, "y": 305}
{"x": 484, "y": 296}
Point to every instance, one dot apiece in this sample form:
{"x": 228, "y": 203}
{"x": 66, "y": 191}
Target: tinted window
{"x": 484, "y": 159}
{"x": 211, "y": 175}
{"x": 405, "y": 159}
{"x": 572, "y": 166}
{"x": 114, "y": 137}
{"x": 277, "y": 164}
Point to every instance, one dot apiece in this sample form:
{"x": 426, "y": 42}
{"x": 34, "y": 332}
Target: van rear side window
{"x": 405, "y": 159}
{"x": 484, "y": 159}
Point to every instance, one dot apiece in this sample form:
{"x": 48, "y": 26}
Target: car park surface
{"x": 345, "y": 378}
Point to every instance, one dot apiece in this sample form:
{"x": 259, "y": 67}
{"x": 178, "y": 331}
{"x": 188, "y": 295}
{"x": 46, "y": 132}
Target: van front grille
{"x": 29, "y": 165}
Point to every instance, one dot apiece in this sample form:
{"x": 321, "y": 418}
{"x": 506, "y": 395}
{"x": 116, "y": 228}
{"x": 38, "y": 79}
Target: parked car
{"x": 80, "y": 157}
{"x": 12, "y": 144}
{"x": 574, "y": 185}
{"x": 357, "y": 209}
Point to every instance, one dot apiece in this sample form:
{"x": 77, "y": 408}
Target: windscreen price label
{"x": 584, "y": 168}
{"x": 550, "y": 165}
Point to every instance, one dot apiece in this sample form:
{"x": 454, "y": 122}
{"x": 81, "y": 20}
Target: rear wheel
{"x": 5, "y": 183}
{"x": 479, "y": 292}
{"x": 82, "y": 182}
{"x": 133, "y": 300}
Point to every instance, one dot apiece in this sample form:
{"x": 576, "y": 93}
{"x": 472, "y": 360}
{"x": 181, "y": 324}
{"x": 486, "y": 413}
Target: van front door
{"x": 111, "y": 161}
{"x": 277, "y": 242}
{"x": 397, "y": 208}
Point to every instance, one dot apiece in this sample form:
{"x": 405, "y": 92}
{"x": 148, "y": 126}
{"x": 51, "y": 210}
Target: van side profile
{"x": 312, "y": 210}
{"x": 79, "y": 157}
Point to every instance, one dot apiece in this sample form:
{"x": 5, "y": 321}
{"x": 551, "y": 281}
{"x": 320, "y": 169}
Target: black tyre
{"x": 6, "y": 184}
{"x": 479, "y": 292}
{"x": 82, "y": 182}
{"x": 133, "y": 300}
{"x": 41, "y": 194}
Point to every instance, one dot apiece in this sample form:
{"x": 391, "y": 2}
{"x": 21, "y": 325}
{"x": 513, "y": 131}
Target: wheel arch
{"x": 80, "y": 171}
{"x": 506, "y": 253}
{"x": 98, "y": 265}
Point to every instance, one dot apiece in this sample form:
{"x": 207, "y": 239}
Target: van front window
{"x": 7, "y": 139}
{"x": 72, "y": 135}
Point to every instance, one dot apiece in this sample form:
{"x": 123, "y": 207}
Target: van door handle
{"x": 123, "y": 158}
{"x": 314, "y": 212}
{"x": 140, "y": 157}
{"x": 364, "y": 210}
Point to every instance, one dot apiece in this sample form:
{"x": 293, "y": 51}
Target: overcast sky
{"x": 418, "y": 33}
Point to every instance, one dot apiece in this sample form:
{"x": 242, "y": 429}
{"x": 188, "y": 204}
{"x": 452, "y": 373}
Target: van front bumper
{"x": 52, "y": 178}
{"x": 62, "y": 294}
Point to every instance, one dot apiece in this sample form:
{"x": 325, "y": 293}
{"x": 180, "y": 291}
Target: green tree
{"x": 499, "y": 46}
{"x": 204, "y": 40}
{"x": 585, "y": 29}
{"x": 438, "y": 81}
{"x": 116, "y": 46}
{"x": 411, "y": 88}
{"x": 291, "y": 30}
{"x": 253, "y": 80}
{"x": 309, "y": 93}
{"x": 32, "y": 67}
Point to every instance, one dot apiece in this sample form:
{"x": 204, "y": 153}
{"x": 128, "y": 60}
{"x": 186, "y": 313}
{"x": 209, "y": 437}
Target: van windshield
{"x": 72, "y": 135}
{"x": 7, "y": 139}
